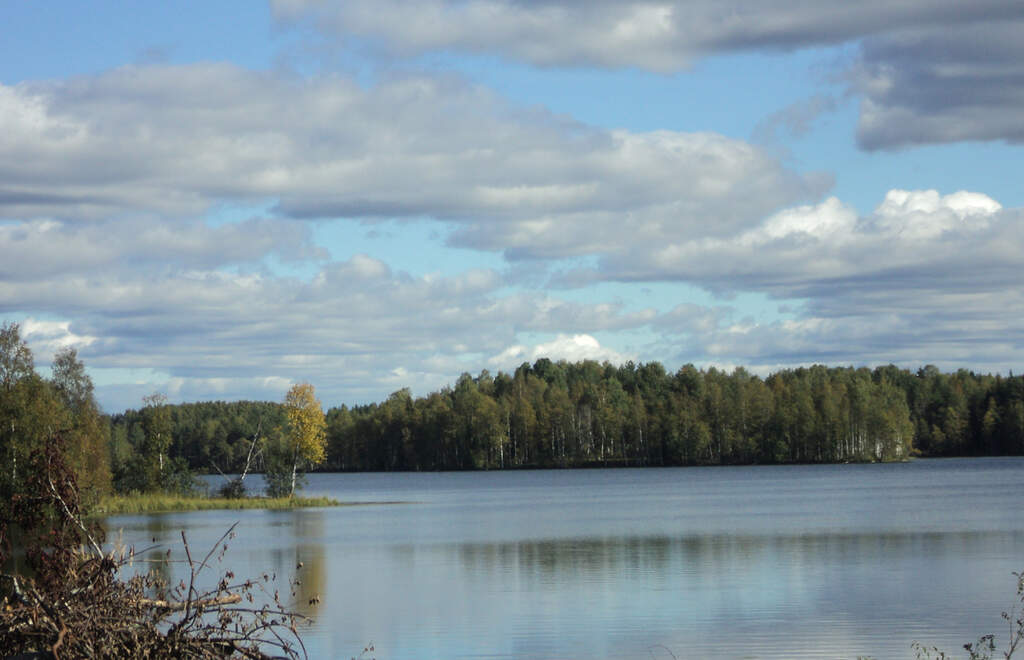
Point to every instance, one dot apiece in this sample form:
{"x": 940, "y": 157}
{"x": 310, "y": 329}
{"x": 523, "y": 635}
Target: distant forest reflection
{"x": 568, "y": 558}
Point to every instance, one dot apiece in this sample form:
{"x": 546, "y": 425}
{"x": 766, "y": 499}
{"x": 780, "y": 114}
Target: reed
{"x": 162, "y": 503}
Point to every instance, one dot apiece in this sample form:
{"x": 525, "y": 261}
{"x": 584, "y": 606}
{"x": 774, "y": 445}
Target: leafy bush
{"x": 233, "y": 489}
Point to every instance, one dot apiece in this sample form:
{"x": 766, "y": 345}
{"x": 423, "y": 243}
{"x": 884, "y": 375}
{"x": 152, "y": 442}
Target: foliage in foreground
{"x": 78, "y": 604}
{"x": 33, "y": 408}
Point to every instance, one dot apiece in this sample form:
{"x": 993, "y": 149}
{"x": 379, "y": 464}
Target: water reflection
{"x": 282, "y": 550}
{"x": 580, "y": 557}
{"x": 615, "y": 596}
{"x": 305, "y": 563}
{"x": 630, "y": 563}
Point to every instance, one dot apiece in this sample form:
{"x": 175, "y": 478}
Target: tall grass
{"x": 162, "y": 502}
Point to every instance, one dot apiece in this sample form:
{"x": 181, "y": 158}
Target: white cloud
{"x": 198, "y": 333}
{"x": 572, "y": 348}
{"x": 929, "y": 71}
{"x": 829, "y": 220}
{"x": 924, "y": 214}
{"x": 665, "y": 35}
{"x": 45, "y": 338}
{"x": 810, "y": 250}
{"x": 104, "y": 180}
{"x": 176, "y": 141}
{"x": 925, "y": 278}
{"x": 44, "y": 248}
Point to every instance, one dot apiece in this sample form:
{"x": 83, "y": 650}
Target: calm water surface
{"x": 832, "y": 561}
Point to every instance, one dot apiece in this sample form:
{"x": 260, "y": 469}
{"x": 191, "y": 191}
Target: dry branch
{"x": 78, "y": 602}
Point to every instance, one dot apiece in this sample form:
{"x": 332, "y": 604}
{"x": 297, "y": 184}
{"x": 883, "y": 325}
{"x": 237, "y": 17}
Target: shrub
{"x": 77, "y": 604}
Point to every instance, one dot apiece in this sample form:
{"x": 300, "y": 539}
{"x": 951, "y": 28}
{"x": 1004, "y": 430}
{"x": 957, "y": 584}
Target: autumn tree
{"x": 303, "y": 441}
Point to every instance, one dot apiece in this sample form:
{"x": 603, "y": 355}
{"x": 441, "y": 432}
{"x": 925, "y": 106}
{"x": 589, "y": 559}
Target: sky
{"x": 218, "y": 200}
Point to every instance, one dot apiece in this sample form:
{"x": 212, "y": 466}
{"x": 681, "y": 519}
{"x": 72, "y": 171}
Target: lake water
{"x": 817, "y": 561}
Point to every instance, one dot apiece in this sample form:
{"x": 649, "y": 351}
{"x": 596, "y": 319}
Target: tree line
{"x": 560, "y": 414}
{"x": 544, "y": 414}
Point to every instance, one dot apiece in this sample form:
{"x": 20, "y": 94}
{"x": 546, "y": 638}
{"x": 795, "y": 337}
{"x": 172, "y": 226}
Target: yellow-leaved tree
{"x": 304, "y": 442}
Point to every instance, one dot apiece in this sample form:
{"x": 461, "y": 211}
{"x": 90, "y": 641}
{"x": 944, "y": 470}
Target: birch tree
{"x": 306, "y": 435}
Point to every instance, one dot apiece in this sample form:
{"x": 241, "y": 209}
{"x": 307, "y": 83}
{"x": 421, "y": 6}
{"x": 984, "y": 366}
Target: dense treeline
{"x": 558, "y": 414}
{"x": 548, "y": 414}
{"x": 962, "y": 413}
{"x": 280, "y": 440}
{"x": 561, "y": 414}
{"x": 208, "y": 436}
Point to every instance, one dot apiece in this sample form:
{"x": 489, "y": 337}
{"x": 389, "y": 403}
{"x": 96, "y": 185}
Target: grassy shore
{"x": 160, "y": 503}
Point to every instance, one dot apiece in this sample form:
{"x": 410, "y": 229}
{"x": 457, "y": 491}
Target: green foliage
{"x": 232, "y": 489}
{"x": 560, "y": 414}
{"x": 88, "y": 431}
{"x": 137, "y": 475}
{"x": 278, "y": 466}
{"x": 211, "y": 436}
{"x": 33, "y": 411}
{"x": 15, "y": 357}
{"x": 157, "y": 433}
{"x": 177, "y": 478}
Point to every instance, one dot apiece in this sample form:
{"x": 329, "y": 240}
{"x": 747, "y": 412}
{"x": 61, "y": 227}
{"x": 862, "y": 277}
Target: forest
{"x": 545, "y": 414}
{"x": 559, "y": 414}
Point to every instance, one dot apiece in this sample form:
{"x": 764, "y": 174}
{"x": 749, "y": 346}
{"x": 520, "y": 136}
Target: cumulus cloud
{"x": 175, "y": 141}
{"x": 924, "y": 278}
{"x": 202, "y": 333}
{"x": 45, "y": 338}
{"x": 810, "y": 250}
{"x": 105, "y": 179}
{"x": 572, "y": 348}
{"x": 953, "y": 331}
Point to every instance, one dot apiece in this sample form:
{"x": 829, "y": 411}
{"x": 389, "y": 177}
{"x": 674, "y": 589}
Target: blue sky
{"x": 216, "y": 201}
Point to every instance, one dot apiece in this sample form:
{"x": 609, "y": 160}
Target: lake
{"x": 817, "y": 561}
